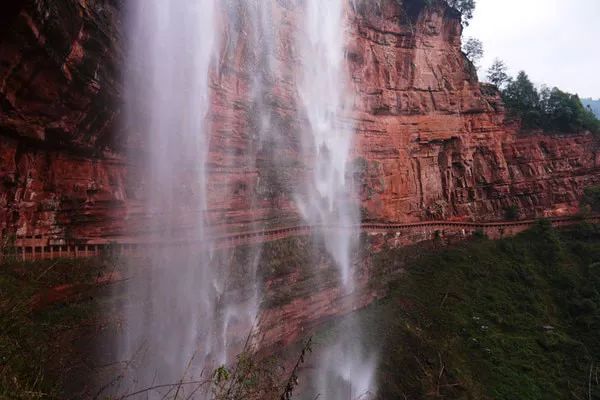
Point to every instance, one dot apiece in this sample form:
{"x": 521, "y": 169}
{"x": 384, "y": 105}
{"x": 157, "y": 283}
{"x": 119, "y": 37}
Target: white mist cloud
{"x": 555, "y": 41}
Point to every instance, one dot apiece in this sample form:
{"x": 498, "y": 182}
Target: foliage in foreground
{"x": 40, "y": 326}
{"x": 511, "y": 319}
{"x": 251, "y": 377}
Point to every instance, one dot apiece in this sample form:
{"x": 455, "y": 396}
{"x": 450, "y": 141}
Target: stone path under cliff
{"x": 405, "y": 234}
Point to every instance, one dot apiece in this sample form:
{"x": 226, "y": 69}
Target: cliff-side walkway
{"x": 33, "y": 248}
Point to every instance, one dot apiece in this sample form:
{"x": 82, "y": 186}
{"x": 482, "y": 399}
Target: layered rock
{"x": 435, "y": 143}
{"x": 431, "y": 141}
{"x": 59, "y": 96}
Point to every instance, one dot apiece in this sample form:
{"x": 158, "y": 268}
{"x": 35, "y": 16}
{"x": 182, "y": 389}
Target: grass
{"x": 40, "y": 326}
{"x": 511, "y": 319}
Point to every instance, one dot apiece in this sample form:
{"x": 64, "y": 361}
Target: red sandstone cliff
{"x": 59, "y": 93}
{"x": 435, "y": 141}
{"x": 431, "y": 141}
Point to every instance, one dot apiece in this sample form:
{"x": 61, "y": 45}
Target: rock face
{"x": 431, "y": 141}
{"x": 436, "y": 143}
{"x": 59, "y": 96}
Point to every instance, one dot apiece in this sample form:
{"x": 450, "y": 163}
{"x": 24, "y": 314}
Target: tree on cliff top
{"x": 465, "y": 7}
{"x": 549, "y": 109}
{"x": 565, "y": 112}
{"x": 473, "y": 49}
{"x": 523, "y": 100}
{"x": 497, "y": 73}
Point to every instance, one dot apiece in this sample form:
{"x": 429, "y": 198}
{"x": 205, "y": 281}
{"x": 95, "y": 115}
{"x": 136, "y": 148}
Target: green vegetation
{"x": 497, "y": 73}
{"x": 464, "y": 7}
{"x": 551, "y": 110}
{"x": 511, "y": 319}
{"x": 41, "y": 320}
{"x": 412, "y": 9}
{"x": 473, "y": 49}
{"x": 565, "y": 112}
{"x": 523, "y": 100}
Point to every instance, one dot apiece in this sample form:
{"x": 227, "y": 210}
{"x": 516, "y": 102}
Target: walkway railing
{"x": 35, "y": 248}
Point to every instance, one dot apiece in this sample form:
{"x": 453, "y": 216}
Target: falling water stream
{"x": 172, "y": 318}
{"x": 327, "y": 138}
{"x": 344, "y": 370}
{"x": 178, "y": 316}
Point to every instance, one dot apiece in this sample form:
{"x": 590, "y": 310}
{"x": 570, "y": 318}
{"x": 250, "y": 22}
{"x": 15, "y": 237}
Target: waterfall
{"x": 172, "y": 325}
{"x": 327, "y": 139}
{"x": 180, "y": 320}
{"x": 328, "y": 202}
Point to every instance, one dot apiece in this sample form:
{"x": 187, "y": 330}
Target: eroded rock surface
{"x": 431, "y": 141}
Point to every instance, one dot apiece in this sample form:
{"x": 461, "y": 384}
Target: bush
{"x": 565, "y": 112}
{"x": 479, "y": 234}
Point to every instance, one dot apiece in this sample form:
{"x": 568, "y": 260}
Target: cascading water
{"x": 171, "y": 313}
{"x": 180, "y": 317}
{"x": 328, "y": 138}
{"x": 344, "y": 370}
{"x": 189, "y": 310}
